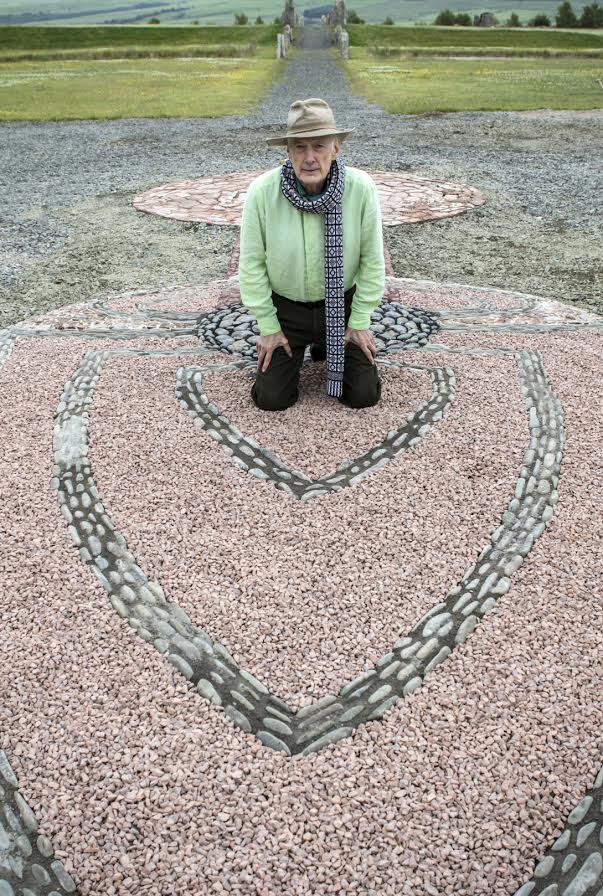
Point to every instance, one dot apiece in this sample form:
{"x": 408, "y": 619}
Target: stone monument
{"x": 484, "y": 20}
{"x": 289, "y": 14}
{"x": 338, "y": 15}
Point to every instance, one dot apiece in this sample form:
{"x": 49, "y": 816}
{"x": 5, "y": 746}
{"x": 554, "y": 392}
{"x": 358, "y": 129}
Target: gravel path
{"x": 68, "y": 229}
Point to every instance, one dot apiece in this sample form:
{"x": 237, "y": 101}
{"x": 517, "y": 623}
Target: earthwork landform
{"x": 322, "y": 651}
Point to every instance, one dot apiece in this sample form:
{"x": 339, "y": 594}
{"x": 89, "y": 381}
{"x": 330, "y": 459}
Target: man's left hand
{"x": 365, "y": 341}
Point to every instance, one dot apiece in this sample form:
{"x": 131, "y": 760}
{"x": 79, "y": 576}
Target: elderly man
{"x": 311, "y": 266}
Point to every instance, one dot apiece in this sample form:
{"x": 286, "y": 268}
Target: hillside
{"x": 221, "y": 12}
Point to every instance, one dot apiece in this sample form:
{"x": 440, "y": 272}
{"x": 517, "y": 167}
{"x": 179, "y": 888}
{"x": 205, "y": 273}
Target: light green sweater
{"x": 282, "y": 249}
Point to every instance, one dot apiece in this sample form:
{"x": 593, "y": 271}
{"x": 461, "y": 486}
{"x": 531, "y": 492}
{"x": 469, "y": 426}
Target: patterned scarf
{"x": 329, "y": 205}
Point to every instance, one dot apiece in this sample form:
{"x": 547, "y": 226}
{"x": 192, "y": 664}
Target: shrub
{"x": 513, "y": 21}
{"x": 354, "y": 18}
{"x": 566, "y": 17}
{"x": 592, "y": 16}
{"x": 259, "y": 21}
{"x": 241, "y": 19}
{"x": 388, "y": 21}
{"x": 446, "y": 17}
{"x": 540, "y": 21}
{"x": 154, "y": 22}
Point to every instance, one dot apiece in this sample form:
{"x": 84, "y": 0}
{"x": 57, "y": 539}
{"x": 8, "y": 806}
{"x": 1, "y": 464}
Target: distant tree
{"x": 540, "y": 21}
{"x": 513, "y": 21}
{"x": 592, "y": 16}
{"x": 446, "y": 17}
{"x": 241, "y": 19}
{"x": 259, "y": 21}
{"x": 278, "y": 20}
{"x": 195, "y": 22}
{"x": 154, "y": 22}
{"x": 566, "y": 17}
{"x": 388, "y": 21}
{"x": 354, "y": 18}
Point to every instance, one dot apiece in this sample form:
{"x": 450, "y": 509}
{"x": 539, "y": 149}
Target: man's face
{"x": 311, "y": 160}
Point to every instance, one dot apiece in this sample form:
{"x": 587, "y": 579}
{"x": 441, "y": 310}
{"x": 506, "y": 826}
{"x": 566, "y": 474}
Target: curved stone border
{"x": 211, "y": 668}
{"x": 249, "y": 456}
{"x": 7, "y": 344}
{"x": 449, "y": 317}
{"x": 27, "y": 863}
{"x": 521, "y": 328}
{"x": 395, "y": 327}
{"x": 146, "y": 314}
{"x": 405, "y": 199}
{"x": 117, "y": 333}
{"x": 574, "y": 864}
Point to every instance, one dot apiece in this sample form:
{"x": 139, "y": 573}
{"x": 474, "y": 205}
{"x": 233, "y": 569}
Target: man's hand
{"x": 365, "y": 341}
{"x": 266, "y": 346}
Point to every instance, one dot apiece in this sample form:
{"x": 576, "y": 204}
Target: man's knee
{"x": 362, "y": 394}
{"x": 268, "y": 397}
{"x": 362, "y": 386}
{"x": 276, "y": 389}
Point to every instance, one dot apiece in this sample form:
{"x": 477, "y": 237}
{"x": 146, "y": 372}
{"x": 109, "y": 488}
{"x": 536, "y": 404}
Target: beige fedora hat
{"x": 309, "y": 118}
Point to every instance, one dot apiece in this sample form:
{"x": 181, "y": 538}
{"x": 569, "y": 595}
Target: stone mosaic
{"x": 573, "y": 866}
{"x": 405, "y": 199}
{"x": 208, "y": 665}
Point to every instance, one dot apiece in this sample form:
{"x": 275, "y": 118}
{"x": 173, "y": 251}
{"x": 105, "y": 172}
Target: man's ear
{"x": 336, "y": 148}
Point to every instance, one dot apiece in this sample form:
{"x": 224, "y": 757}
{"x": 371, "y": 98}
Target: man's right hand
{"x": 266, "y": 346}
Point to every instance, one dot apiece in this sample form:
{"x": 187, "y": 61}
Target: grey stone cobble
{"x": 7, "y": 343}
{"x": 409, "y": 328}
{"x": 27, "y": 863}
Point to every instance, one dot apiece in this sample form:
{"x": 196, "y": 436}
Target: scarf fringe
{"x": 334, "y": 388}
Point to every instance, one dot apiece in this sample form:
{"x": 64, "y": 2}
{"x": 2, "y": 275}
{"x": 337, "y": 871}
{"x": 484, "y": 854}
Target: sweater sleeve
{"x": 256, "y": 292}
{"x": 370, "y": 279}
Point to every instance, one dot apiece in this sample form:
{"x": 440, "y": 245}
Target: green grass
{"x": 221, "y": 51}
{"x": 134, "y": 88}
{"x": 414, "y": 86}
{"x": 483, "y": 52}
{"x": 52, "y": 37}
{"x": 519, "y": 38}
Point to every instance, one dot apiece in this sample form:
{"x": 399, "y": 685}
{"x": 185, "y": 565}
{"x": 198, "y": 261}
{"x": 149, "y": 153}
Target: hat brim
{"x": 307, "y": 135}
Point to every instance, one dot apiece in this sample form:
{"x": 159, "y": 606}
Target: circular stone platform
{"x": 275, "y": 653}
{"x": 219, "y": 200}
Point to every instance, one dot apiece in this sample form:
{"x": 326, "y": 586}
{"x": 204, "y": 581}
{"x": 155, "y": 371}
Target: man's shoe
{"x": 318, "y": 353}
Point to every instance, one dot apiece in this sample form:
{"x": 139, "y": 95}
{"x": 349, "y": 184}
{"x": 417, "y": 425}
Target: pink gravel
{"x": 145, "y": 788}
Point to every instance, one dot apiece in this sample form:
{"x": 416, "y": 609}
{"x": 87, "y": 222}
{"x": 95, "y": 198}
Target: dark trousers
{"x": 303, "y": 323}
